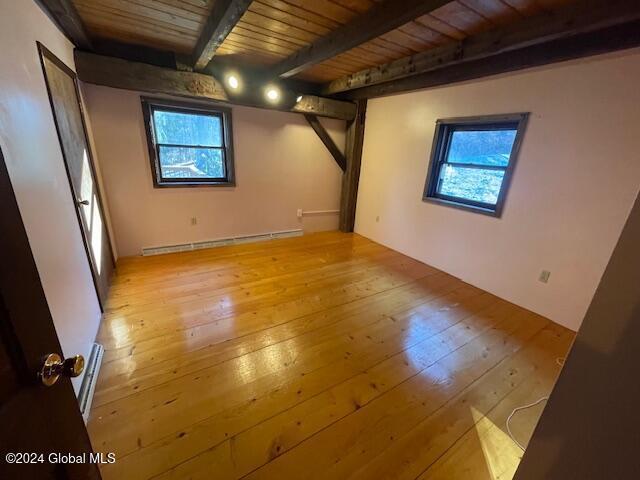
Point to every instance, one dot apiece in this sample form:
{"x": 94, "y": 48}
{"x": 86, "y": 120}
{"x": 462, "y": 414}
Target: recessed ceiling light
{"x": 233, "y": 81}
{"x": 273, "y": 94}
{"x": 299, "y": 98}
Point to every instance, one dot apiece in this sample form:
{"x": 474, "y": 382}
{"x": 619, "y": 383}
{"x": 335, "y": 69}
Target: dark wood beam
{"x": 378, "y": 20}
{"x": 223, "y": 17}
{"x": 120, "y": 73}
{"x": 351, "y": 177}
{"x": 583, "y": 20}
{"x": 602, "y": 41}
{"x": 322, "y": 133}
{"x": 65, "y": 15}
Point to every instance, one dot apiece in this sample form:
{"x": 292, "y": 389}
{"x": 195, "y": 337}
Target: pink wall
{"x": 576, "y": 179}
{"x": 281, "y": 166}
{"x": 34, "y": 159}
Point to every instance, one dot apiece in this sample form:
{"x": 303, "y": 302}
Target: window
{"x": 472, "y": 161}
{"x": 189, "y": 144}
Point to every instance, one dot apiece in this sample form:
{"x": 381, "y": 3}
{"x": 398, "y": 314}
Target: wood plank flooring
{"x": 326, "y": 356}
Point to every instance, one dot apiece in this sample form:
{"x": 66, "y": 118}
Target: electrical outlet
{"x": 194, "y": 221}
{"x": 544, "y": 276}
{"x": 377, "y": 218}
{"x": 299, "y": 213}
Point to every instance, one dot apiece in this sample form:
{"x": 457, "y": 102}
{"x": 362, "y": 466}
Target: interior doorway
{"x": 64, "y": 96}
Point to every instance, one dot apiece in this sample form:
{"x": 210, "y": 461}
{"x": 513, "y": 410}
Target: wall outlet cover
{"x": 544, "y": 276}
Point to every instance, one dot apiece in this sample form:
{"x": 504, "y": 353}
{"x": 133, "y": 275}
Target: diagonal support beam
{"x": 376, "y": 21}
{"x": 65, "y": 15}
{"x": 322, "y": 133}
{"x": 223, "y": 17}
{"x": 567, "y": 23}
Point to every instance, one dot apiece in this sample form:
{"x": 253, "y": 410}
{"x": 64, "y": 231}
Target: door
{"x": 65, "y": 101}
{"x": 34, "y": 418}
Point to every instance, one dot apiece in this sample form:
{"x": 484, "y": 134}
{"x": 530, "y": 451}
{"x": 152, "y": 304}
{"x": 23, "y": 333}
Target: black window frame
{"x": 150, "y": 105}
{"x": 440, "y": 151}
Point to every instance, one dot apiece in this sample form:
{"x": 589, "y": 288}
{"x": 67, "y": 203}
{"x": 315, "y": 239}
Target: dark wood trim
{"x": 46, "y": 53}
{"x": 378, "y": 20}
{"x": 27, "y": 332}
{"x": 148, "y": 105}
{"x": 223, "y": 17}
{"x": 65, "y": 15}
{"x": 323, "y": 135}
{"x": 119, "y": 73}
{"x": 439, "y": 149}
{"x": 135, "y": 53}
{"x": 583, "y": 45}
{"x": 351, "y": 177}
{"x": 575, "y": 19}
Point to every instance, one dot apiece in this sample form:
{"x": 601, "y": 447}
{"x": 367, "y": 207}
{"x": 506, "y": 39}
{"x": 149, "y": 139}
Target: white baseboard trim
{"x": 221, "y": 242}
{"x": 88, "y": 387}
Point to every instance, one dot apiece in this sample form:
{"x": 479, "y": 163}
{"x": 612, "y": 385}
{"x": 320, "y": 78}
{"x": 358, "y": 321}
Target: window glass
{"x": 481, "y": 147}
{"x": 189, "y": 162}
{"x": 177, "y": 128}
{"x": 471, "y": 183}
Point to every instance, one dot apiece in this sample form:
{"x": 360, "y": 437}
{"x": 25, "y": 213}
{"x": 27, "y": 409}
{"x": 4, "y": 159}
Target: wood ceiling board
{"x": 497, "y": 11}
{"x": 277, "y": 26}
{"x": 95, "y": 12}
{"x": 272, "y": 46}
{"x": 168, "y": 24}
{"x": 462, "y": 18}
{"x": 120, "y": 24}
{"x": 359, "y": 6}
{"x": 424, "y": 33}
{"x": 288, "y": 18}
{"x": 327, "y": 8}
{"x": 403, "y": 39}
{"x": 294, "y": 8}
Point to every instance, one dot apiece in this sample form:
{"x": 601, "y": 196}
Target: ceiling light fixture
{"x": 273, "y": 94}
{"x": 233, "y": 82}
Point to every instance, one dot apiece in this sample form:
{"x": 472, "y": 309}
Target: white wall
{"x": 576, "y": 179}
{"x": 34, "y": 160}
{"x": 281, "y": 165}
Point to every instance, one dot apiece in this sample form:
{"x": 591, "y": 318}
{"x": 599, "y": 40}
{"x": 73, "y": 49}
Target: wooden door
{"x": 33, "y": 418}
{"x": 65, "y": 101}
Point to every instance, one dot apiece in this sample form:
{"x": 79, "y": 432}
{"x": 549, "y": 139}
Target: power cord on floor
{"x": 560, "y": 362}
{"x": 516, "y": 410}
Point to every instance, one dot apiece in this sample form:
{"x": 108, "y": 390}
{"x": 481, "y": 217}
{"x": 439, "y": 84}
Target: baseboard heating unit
{"x": 221, "y": 242}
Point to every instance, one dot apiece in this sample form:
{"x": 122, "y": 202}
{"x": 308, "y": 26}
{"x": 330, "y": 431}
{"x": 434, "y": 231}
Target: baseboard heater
{"x": 221, "y": 242}
{"x": 88, "y": 386}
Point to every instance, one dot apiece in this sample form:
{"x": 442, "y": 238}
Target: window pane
{"x": 481, "y": 147}
{"x": 188, "y": 129}
{"x": 188, "y": 162}
{"x": 470, "y": 183}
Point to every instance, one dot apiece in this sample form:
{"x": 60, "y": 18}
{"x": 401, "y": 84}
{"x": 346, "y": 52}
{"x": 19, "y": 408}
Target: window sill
{"x": 463, "y": 206}
{"x": 193, "y": 184}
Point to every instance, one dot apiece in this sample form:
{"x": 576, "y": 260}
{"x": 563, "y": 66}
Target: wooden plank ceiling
{"x": 271, "y": 30}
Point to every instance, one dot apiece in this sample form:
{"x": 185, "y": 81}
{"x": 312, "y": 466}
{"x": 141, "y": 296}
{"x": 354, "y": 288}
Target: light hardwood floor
{"x": 325, "y": 356}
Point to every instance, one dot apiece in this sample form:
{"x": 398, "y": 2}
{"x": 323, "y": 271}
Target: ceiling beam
{"x": 593, "y": 43}
{"x": 223, "y": 17}
{"x": 119, "y": 73}
{"x": 378, "y": 20}
{"x": 570, "y": 22}
{"x": 65, "y": 15}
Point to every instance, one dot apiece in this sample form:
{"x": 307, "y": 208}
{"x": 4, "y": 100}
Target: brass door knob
{"x": 53, "y": 366}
